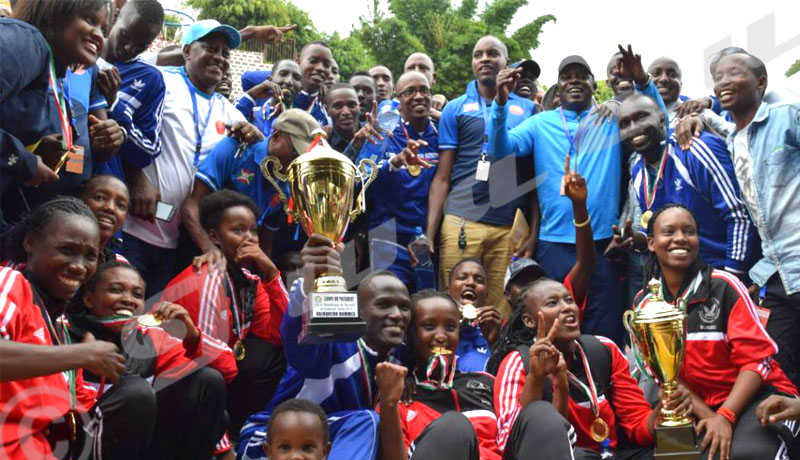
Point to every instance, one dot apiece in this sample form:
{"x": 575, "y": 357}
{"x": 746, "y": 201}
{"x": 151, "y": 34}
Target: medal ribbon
{"x": 447, "y": 373}
{"x": 650, "y": 190}
{"x": 366, "y": 374}
{"x": 237, "y": 321}
{"x": 590, "y": 390}
{"x": 61, "y": 105}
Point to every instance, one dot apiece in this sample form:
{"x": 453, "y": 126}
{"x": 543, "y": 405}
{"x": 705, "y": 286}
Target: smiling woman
{"x": 73, "y": 28}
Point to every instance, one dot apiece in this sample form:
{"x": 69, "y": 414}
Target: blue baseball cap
{"x": 202, "y": 28}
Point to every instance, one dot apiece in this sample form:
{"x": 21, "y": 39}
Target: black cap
{"x": 574, "y": 59}
{"x": 520, "y": 266}
{"x": 530, "y": 65}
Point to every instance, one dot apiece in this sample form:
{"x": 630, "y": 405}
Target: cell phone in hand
{"x": 164, "y": 211}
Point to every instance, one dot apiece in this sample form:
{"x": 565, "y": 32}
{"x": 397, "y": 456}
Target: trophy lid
{"x": 322, "y": 152}
{"x": 657, "y": 309}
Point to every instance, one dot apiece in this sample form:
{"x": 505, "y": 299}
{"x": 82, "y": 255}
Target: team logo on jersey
{"x": 39, "y": 334}
{"x": 515, "y": 109}
{"x": 245, "y": 176}
{"x": 223, "y": 315}
{"x": 477, "y": 385}
{"x": 678, "y": 185}
{"x": 137, "y": 85}
{"x": 472, "y": 107}
{"x": 709, "y": 311}
{"x": 12, "y": 160}
{"x": 411, "y": 415}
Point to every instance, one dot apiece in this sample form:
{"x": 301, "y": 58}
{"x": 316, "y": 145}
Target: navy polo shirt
{"x": 461, "y": 128}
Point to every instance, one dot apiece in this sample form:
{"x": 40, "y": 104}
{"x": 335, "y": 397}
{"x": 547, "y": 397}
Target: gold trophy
{"x": 322, "y": 186}
{"x": 658, "y": 333}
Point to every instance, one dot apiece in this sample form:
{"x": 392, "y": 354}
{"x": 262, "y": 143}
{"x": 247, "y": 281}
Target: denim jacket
{"x": 774, "y": 141}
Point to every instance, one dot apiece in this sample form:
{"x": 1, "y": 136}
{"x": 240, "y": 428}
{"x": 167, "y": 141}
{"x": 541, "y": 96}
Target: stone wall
{"x": 240, "y": 60}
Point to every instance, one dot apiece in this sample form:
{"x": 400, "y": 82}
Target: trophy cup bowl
{"x": 322, "y": 186}
{"x": 658, "y": 334}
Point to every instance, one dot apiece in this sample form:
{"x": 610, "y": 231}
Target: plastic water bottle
{"x": 388, "y": 120}
{"x": 389, "y": 116}
{"x": 423, "y": 273}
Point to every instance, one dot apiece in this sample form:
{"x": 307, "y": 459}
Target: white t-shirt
{"x": 172, "y": 172}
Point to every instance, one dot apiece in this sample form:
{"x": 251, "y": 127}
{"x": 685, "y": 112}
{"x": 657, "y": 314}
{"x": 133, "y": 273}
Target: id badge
{"x": 75, "y": 159}
{"x": 482, "y": 173}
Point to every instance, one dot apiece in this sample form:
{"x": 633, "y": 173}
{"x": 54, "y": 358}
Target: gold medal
{"x": 441, "y": 351}
{"x": 599, "y": 430}
{"x": 414, "y": 170}
{"x": 148, "y": 320}
{"x": 239, "y": 352}
{"x": 469, "y": 312}
{"x": 646, "y": 216}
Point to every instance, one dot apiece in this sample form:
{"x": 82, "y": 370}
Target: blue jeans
{"x": 606, "y": 300}
{"x": 155, "y": 264}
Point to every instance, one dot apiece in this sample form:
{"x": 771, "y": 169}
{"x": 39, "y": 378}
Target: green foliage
{"x": 350, "y": 55}
{"x": 794, "y": 68}
{"x": 241, "y": 13}
{"x": 447, "y": 34}
{"x": 603, "y": 92}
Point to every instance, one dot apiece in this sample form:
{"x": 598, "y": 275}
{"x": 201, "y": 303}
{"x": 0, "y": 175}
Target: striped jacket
{"x": 205, "y": 294}
{"x": 702, "y": 179}
{"x": 726, "y": 337}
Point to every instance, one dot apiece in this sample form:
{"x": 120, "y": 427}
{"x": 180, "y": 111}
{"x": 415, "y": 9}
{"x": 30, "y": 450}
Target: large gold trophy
{"x": 322, "y": 186}
{"x": 658, "y": 333}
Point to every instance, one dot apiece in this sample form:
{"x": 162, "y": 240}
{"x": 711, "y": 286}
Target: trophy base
{"x": 333, "y": 317}
{"x": 676, "y": 443}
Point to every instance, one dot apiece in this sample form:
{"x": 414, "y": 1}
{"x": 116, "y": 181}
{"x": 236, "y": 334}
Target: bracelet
{"x": 582, "y": 224}
{"x": 728, "y": 414}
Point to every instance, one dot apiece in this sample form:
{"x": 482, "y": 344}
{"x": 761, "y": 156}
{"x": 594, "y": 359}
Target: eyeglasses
{"x": 423, "y": 90}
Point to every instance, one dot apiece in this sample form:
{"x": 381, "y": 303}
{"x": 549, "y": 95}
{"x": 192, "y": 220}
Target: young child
{"x": 298, "y": 429}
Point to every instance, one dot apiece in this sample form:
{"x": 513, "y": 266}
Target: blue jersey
{"x": 224, "y": 168}
{"x": 138, "y": 110}
{"x": 337, "y": 376}
{"x": 461, "y": 128}
{"x": 312, "y": 104}
{"x": 82, "y": 95}
{"x": 596, "y": 153}
{"x": 702, "y": 179}
{"x": 260, "y": 113}
{"x": 24, "y": 82}
{"x": 398, "y": 195}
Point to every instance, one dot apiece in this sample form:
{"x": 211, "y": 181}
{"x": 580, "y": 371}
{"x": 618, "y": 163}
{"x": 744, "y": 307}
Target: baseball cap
{"x": 574, "y": 59}
{"x": 520, "y": 266}
{"x": 204, "y": 27}
{"x": 528, "y": 64}
{"x": 300, "y": 126}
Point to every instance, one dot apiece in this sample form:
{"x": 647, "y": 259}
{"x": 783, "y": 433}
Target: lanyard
{"x": 650, "y": 190}
{"x": 574, "y": 143}
{"x": 198, "y": 131}
{"x": 485, "y": 139}
{"x": 590, "y": 390}
{"x": 366, "y": 374}
{"x": 61, "y": 105}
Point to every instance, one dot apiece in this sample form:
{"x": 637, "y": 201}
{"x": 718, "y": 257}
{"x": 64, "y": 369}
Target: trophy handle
{"x": 627, "y": 322}
{"x": 370, "y": 178}
{"x": 271, "y": 177}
